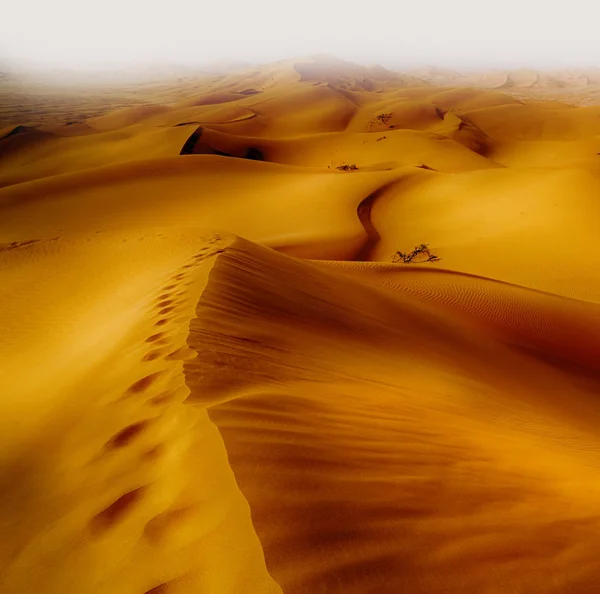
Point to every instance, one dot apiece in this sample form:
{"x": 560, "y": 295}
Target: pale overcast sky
{"x": 458, "y": 33}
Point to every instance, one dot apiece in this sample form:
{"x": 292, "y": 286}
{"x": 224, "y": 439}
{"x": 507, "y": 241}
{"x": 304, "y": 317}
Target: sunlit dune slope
{"x": 385, "y": 150}
{"x": 398, "y": 114}
{"x": 125, "y": 117}
{"x": 219, "y": 113}
{"x": 470, "y": 98}
{"x": 214, "y": 98}
{"x": 523, "y": 122}
{"x": 294, "y": 110}
{"x": 275, "y": 204}
{"x": 51, "y": 155}
{"x": 574, "y": 154}
{"x": 288, "y": 111}
{"x": 287, "y": 114}
{"x": 533, "y": 227}
{"x": 109, "y": 481}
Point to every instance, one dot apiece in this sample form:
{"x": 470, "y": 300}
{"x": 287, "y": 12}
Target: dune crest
{"x": 386, "y": 461}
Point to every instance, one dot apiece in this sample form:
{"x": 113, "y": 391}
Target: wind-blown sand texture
{"x": 215, "y": 380}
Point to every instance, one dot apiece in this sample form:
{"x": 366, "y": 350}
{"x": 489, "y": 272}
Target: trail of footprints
{"x": 13, "y": 245}
{"x": 162, "y": 388}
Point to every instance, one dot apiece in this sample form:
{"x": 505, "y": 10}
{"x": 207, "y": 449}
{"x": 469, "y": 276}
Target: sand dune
{"x": 508, "y": 79}
{"x": 124, "y": 117}
{"x": 376, "y": 458}
{"x": 511, "y": 225}
{"x": 579, "y": 86}
{"x": 22, "y": 141}
{"x": 107, "y": 486}
{"x": 522, "y": 122}
{"x": 216, "y": 378}
{"x": 388, "y": 149}
{"x": 48, "y": 155}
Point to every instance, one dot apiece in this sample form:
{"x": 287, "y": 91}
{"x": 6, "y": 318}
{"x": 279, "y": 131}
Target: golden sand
{"x": 215, "y": 379}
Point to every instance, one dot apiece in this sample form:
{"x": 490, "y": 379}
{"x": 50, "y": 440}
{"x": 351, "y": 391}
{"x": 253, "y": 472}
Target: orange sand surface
{"x": 216, "y": 378}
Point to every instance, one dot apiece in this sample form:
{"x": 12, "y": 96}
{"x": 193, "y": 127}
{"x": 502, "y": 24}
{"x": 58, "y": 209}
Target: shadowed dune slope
{"x": 388, "y": 443}
{"x": 22, "y": 143}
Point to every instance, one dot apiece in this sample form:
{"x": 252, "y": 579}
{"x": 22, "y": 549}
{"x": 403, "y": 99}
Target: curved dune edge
{"x": 111, "y": 482}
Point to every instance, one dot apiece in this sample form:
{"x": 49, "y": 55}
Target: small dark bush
{"x": 347, "y": 167}
{"x": 420, "y": 250}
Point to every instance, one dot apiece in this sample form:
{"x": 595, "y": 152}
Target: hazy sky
{"x": 459, "y": 33}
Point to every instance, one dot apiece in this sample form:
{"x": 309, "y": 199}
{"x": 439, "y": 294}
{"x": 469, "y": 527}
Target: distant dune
{"x": 223, "y": 371}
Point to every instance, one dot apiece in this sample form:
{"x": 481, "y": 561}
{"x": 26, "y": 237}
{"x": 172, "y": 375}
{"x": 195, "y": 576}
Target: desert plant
{"x": 352, "y": 167}
{"x": 384, "y": 118}
{"x": 420, "y": 250}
